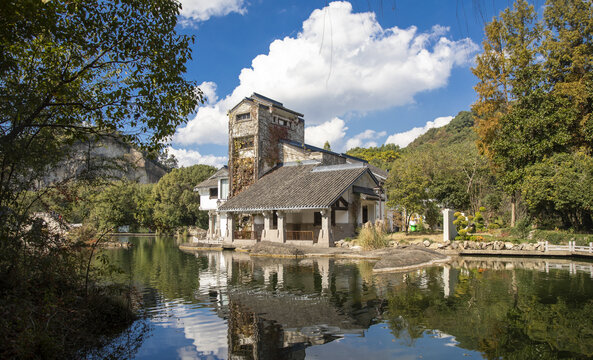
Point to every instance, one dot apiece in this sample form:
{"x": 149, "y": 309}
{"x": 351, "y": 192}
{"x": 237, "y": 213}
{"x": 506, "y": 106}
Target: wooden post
{"x": 590, "y": 247}
{"x": 546, "y": 245}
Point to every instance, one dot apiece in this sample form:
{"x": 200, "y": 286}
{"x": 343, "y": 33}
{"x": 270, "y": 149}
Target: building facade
{"x": 283, "y": 190}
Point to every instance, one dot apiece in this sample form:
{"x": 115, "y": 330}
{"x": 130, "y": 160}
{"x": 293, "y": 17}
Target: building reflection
{"x": 275, "y": 308}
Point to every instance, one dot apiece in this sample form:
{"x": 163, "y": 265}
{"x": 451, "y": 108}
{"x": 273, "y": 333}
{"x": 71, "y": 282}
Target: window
{"x": 242, "y": 117}
{"x": 317, "y": 218}
{"x": 224, "y": 188}
{"x": 365, "y": 214}
{"x": 274, "y": 220}
{"x": 281, "y": 121}
{"x": 213, "y": 193}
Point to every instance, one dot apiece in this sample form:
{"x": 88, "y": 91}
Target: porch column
{"x": 231, "y": 227}
{"x": 325, "y": 239}
{"x": 267, "y": 224}
{"x": 217, "y": 225}
{"x": 211, "y": 225}
{"x": 281, "y": 226}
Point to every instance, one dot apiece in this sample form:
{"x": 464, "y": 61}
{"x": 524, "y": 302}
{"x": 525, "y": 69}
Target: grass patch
{"x": 372, "y": 237}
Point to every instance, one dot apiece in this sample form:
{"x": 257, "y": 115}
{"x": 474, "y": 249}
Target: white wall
{"x": 206, "y": 203}
{"x": 341, "y": 217}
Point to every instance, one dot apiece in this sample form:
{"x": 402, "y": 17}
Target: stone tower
{"x": 256, "y": 125}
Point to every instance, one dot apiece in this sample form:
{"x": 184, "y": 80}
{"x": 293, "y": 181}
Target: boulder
{"x": 426, "y": 243}
{"x": 508, "y": 245}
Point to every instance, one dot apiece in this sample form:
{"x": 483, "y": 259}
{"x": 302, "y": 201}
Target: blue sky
{"x": 364, "y": 72}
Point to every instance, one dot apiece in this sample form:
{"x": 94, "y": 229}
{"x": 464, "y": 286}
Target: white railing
{"x": 571, "y": 267}
{"x": 571, "y": 247}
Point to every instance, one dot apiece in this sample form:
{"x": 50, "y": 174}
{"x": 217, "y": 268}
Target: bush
{"x": 372, "y": 237}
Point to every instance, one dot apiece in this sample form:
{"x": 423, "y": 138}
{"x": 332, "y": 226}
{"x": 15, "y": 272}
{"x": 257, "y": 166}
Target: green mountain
{"x": 459, "y": 130}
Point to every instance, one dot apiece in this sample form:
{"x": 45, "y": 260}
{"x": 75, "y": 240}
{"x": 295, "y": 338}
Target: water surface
{"x": 226, "y": 305}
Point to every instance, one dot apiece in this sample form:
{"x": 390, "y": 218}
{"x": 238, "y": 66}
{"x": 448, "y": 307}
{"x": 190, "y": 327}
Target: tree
{"x": 176, "y": 202}
{"x": 407, "y": 189}
{"x": 71, "y": 71}
{"x": 327, "y": 146}
{"x": 507, "y": 70}
{"x": 382, "y": 156}
{"x": 561, "y": 185}
{"x": 568, "y": 47}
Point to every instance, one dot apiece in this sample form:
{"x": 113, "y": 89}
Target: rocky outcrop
{"x": 108, "y": 157}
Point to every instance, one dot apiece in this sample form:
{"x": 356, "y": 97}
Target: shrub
{"x": 372, "y": 237}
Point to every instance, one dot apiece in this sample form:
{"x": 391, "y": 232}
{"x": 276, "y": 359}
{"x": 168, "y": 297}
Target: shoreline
{"x": 392, "y": 259}
{"x": 387, "y": 259}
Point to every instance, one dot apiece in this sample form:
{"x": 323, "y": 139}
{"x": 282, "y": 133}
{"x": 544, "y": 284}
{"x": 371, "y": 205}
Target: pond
{"x": 226, "y": 305}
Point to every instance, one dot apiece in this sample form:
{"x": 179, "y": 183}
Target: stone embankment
{"x": 483, "y": 245}
{"x": 388, "y": 259}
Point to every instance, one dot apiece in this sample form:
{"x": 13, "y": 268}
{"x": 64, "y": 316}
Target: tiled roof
{"x": 212, "y": 181}
{"x": 296, "y": 187}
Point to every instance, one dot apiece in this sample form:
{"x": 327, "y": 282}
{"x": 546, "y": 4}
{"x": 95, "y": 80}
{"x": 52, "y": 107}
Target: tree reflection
{"x": 515, "y": 314}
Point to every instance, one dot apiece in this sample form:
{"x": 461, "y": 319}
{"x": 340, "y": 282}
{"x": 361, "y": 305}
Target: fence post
{"x": 546, "y": 247}
{"x": 590, "y": 247}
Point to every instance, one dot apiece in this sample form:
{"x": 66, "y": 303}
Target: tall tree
{"x": 568, "y": 48}
{"x": 507, "y": 70}
{"x": 73, "y": 68}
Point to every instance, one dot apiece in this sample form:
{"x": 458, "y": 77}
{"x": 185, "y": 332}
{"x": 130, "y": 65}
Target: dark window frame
{"x": 214, "y": 193}
{"x": 317, "y": 218}
{"x": 243, "y": 117}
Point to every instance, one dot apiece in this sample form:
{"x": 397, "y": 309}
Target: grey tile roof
{"x": 212, "y": 181}
{"x": 296, "y": 187}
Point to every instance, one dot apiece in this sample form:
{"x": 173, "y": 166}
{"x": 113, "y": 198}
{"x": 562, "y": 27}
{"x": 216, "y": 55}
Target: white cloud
{"x": 209, "y": 126}
{"x": 191, "y": 157}
{"x": 367, "y": 138}
{"x": 202, "y": 10}
{"x": 332, "y": 131}
{"x": 403, "y": 139}
{"x": 209, "y": 90}
{"x": 340, "y": 63}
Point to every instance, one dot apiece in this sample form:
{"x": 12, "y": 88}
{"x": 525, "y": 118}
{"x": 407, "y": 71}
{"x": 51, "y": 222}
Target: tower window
{"x": 245, "y": 116}
{"x": 281, "y": 121}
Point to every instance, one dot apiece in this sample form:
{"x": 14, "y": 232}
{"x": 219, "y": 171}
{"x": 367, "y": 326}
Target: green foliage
{"x": 561, "y": 185}
{"x": 449, "y": 172}
{"x": 559, "y": 237}
{"x": 327, "y": 146}
{"x": 535, "y": 103}
{"x": 176, "y": 202}
{"x": 522, "y": 228}
{"x": 459, "y": 130}
{"x": 501, "y": 314}
{"x": 382, "y": 156}
{"x": 406, "y": 189}
{"x": 114, "y": 206}
{"x": 73, "y": 71}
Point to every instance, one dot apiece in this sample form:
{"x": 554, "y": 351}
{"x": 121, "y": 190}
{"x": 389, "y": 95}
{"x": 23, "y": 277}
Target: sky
{"x": 364, "y": 73}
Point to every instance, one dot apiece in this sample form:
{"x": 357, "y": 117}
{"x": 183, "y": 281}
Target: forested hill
{"x": 459, "y": 130}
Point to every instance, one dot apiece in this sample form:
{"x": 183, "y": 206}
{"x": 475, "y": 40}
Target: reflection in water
{"x": 226, "y": 305}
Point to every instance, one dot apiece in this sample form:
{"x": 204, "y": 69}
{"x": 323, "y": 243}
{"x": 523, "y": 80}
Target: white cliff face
{"x": 108, "y": 157}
